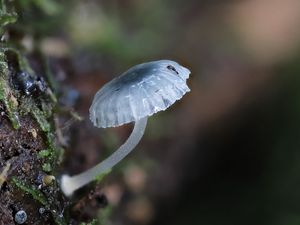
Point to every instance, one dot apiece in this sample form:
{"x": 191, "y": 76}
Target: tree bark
{"x": 29, "y": 151}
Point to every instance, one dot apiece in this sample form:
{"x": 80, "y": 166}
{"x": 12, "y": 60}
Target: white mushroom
{"x": 132, "y": 97}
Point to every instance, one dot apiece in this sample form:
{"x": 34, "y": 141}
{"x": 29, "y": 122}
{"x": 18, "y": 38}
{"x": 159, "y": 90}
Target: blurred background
{"x": 229, "y": 151}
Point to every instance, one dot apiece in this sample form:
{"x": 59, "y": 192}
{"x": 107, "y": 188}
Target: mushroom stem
{"x": 70, "y": 184}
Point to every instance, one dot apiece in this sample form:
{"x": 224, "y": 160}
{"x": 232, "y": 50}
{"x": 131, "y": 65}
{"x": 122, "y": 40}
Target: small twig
{"x": 3, "y": 175}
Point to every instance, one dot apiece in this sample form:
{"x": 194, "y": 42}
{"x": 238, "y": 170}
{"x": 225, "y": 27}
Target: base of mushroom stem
{"x": 67, "y": 186}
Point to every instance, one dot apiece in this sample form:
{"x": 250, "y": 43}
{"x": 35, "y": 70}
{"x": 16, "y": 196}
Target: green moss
{"x": 33, "y": 191}
{"x": 40, "y": 109}
{"x": 44, "y": 153}
{"x": 50, "y": 159}
{"x": 93, "y": 222}
{"x": 51, "y": 156}
{"x": 21, "y": 60}
{"x": 7, "y": 98}
{"x": 6, "y": 17}
{"x": 28, "y": 104}
{"x": 38, "y": 195}
{"x": 21, "y": 105}
{"x": 6, "y": 95}
{"x": 55, "y": 157}
{"x": 47, "y": 167}
{"x": 2, "y": 89}
{"x": 40, "y": 117}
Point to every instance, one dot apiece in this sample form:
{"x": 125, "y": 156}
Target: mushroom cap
{"x": 139, "y": 92}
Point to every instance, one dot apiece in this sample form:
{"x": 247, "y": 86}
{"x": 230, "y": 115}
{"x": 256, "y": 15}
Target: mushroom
{"x": 138, "y": 93}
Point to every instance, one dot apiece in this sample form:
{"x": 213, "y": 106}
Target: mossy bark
{"x": 29, "y": 153}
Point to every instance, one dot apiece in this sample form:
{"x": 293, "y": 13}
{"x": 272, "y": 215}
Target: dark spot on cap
{"x": 172, "y": 68}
